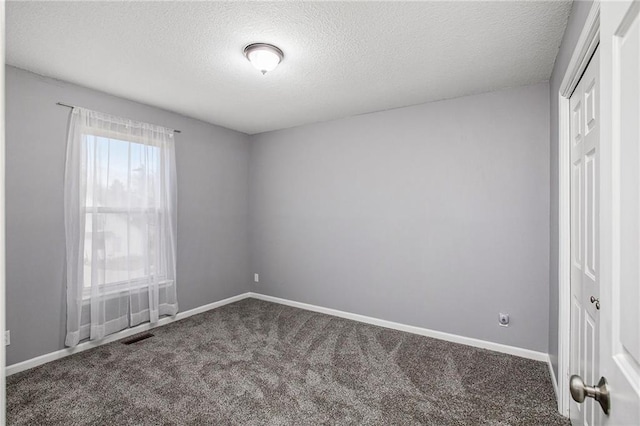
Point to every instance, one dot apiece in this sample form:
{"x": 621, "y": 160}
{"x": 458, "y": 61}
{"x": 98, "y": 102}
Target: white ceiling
{"x": 341, "y": 58}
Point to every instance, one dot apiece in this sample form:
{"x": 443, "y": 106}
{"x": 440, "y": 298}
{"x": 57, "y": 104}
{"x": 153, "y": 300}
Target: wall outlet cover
{"x": 7, "y": 337}
{"x": 503, "y": 319}
{"x": 256, "y": 278}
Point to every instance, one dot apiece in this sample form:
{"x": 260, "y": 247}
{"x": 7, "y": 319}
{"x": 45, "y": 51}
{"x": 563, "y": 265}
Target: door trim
{"x": 584, "y": 49}
{"x": 2, "y": 218}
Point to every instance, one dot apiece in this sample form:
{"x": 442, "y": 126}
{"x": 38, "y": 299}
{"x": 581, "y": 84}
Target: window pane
{"x": 125, "y": 247}
{"x": 121, "y": 174}
{"x": 121, "y": 241}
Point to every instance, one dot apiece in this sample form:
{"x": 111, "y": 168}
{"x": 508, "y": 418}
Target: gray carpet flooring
{"x": 259, "y": 363}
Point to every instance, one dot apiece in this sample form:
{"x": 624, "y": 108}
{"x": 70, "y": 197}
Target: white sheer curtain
{"x": 120, "y": 224}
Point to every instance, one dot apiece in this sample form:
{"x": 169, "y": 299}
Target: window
{"x": 120, "y": 224}
{"x": 122, "y": 217}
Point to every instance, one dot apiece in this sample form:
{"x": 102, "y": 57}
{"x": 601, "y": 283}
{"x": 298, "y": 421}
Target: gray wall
{"x": 579, "y": 12}
{"x": 435, "y": 215}
{"x": 212, "y": 164}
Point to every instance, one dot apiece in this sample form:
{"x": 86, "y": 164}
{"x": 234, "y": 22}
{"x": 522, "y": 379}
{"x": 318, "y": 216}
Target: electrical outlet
{"x": 256, "y": 278}
{"x": 503, "y": 319}
{"x": 7, "y": 337}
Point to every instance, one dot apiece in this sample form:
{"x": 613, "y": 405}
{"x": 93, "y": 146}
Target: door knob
{"x": 600, "y": 392}
{"x": 596, "y": 301}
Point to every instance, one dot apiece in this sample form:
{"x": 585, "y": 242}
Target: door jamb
{"x": 3, "y": 379}
{"x": 584, "y": 49}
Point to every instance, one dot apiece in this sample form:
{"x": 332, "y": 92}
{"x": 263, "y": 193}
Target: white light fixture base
{"x": 264, "y": 57}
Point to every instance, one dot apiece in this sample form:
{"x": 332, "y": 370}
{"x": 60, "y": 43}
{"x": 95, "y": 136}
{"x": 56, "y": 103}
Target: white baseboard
{"x": 52, "y": 356}
{"x": 469, "y": 341}
{"x": 554, "y": 382}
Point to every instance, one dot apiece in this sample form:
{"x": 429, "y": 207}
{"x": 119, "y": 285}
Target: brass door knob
{"x": 600, "y": 392}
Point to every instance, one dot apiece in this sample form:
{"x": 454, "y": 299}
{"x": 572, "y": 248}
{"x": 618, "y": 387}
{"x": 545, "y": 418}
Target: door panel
{"x": 576, "y": 218}
{"x": 590, "y": 368}
{"x": 620, "y": 327}
{"x": 590, "y": 213}
{"x": 630, "y": 213}
{"x": 584, "y": 103}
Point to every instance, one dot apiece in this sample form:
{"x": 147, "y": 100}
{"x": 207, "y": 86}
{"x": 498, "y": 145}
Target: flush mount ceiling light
{"x": 264, "y": 57}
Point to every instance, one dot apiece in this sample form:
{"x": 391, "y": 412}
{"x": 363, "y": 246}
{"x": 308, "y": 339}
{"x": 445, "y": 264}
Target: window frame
{"x": 115, "y": 288}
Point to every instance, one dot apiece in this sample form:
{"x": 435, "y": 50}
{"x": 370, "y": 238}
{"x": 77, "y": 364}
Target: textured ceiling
{"x": 341, "y": 58}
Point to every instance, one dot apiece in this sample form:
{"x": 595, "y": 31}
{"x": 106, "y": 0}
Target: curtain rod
{"x": 71, "y": 106}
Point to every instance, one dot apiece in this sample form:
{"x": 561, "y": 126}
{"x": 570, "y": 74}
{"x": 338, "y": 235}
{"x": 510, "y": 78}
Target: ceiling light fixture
{"x": 264, "y": 57}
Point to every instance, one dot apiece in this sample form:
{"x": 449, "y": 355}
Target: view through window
{"x": 121, "y": 227}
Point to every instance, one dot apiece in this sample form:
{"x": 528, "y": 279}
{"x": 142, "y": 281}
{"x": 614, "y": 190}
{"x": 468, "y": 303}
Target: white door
{"x": 620, "y": 210}
{"x": 585, "y": 141}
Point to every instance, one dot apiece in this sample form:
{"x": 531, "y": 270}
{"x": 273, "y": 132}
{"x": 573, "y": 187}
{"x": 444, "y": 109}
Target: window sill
{"x": 114, "y": 290}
